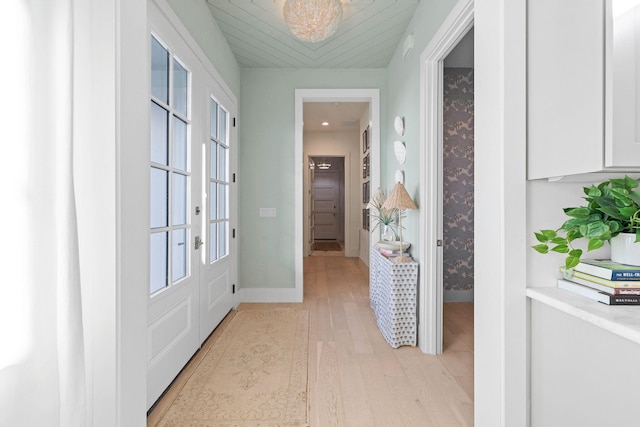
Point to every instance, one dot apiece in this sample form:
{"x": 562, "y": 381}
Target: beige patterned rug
{"x": 254, "y": 375}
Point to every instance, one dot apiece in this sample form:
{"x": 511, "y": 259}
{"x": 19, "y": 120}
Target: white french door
{"x": 172, "y": 311}
{"x": 192, "y": 254}
{"x": 218, "y": 272}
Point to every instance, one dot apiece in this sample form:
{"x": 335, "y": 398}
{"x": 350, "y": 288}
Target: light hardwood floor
{"x": 355, "y": 377}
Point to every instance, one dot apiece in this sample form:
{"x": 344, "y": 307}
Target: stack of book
{"x": 604, "y": 281}
{"x": 388, "y": 253}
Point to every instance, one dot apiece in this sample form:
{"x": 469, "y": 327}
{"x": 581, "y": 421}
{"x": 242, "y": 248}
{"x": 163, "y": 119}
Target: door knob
{"x": 199, "y": 242}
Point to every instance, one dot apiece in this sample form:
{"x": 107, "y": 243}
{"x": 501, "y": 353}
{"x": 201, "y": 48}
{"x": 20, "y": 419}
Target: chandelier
{"x": 312, "y": 20}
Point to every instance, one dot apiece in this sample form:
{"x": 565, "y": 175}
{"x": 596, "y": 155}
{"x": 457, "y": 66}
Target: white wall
{"x": 340, "y": 144}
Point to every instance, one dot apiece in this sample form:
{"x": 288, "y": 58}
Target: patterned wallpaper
{"x": 458, "y": 179}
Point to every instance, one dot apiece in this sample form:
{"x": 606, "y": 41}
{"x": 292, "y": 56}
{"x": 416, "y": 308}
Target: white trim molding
{"x": 500, "y": 270}
{"x": 454, "y": 28}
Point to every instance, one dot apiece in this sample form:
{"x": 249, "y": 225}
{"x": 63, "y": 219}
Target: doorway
{"x": 430, "y": 311}
{"x": 302, "y": 97}
{"x": 457, "y": 180}
{"x": 332, "y": 186}
{"x": 327, "y": 191}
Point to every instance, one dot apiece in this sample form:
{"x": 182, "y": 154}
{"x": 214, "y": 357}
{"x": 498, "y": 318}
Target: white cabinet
{"x": 569, "y": 97}
{"x": 622, "y": 107}
{"x": 392, "y": 290}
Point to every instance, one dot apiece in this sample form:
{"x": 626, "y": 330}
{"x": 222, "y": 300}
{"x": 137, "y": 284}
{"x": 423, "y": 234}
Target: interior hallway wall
{"x": 403, "y": 100}
{"x": 457, "y": 183}
{"x": 196, "y": 17}
{"x": 266, "y": 163}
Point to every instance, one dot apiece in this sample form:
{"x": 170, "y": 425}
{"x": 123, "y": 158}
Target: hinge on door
{"x": 234, "y": 122}
{"x": 233, "y": 288}
{"x": 234, "y": 177}
{"x": 439, "y": 242}
{"x": 233, "y": 234}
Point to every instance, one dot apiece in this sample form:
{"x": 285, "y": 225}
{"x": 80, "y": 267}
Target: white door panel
{"x": 215, "y": 301}
{"x": 171, "y": 340}
{"x": 189, "y": 293}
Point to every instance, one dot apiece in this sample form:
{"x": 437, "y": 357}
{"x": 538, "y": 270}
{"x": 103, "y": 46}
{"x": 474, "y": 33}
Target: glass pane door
{"x": 170, "y": 173}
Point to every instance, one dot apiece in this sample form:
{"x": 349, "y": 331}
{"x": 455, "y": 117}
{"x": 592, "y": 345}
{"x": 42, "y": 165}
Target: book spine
{"x": 624, "y": 300}
{"x": 605, "y": 273}
{"x": 633, "y": 286}
{"x": 604, "y": 288}
{"x": 598, "y": 296}
{"x": 625, "y": 275}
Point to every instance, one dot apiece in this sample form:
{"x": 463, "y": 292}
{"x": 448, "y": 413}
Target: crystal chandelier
{"x": 312, "y": 20}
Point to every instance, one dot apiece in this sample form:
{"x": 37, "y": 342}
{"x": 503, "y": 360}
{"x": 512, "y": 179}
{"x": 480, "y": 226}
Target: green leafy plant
{"x": 613, "y": 207}
{"x": 381, "y": 216}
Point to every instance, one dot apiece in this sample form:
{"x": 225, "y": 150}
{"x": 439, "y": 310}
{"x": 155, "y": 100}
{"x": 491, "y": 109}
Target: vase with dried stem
{"x": 384, "y": 219}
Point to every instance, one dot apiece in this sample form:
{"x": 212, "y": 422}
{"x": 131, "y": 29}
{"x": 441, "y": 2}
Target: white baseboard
{"x": 458, "y": 296}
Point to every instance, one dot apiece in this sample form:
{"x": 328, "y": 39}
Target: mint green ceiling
{"x": 368, "y": 35}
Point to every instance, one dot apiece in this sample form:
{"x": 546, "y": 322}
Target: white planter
{"x": 624, "y": 249}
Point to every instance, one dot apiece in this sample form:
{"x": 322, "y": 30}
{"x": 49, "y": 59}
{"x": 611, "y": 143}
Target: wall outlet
{"x": 267, "y": 212}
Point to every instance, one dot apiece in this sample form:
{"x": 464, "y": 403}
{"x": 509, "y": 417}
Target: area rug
{"x": 255, "y": 374}
{"x": 327, "y": 246}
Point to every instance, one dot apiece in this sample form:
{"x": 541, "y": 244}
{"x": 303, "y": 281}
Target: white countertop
{"x": 622, "y": 320}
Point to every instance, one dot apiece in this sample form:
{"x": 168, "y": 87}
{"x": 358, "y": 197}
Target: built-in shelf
{"x": 622, "y": 320}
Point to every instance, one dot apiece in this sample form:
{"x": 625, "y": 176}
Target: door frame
{"x": 430, "y": 292}
{"x": 372, "y": 96}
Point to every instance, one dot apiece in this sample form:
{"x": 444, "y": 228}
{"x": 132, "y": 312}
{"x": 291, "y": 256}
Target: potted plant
{"x": 385, "y": 219}
{"x": 612, "y": 214}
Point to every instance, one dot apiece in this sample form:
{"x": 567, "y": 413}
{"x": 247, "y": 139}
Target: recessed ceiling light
{"x": 325, "y": 123}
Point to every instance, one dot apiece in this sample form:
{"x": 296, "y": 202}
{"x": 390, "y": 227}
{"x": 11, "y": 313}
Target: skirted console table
{"x": 392, "y": 290}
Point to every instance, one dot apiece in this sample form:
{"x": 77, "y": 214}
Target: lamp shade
{"x": 399, "y": 199}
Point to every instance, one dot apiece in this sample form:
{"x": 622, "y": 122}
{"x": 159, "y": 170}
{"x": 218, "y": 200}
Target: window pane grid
{"x": 218, "y": 183}
{"x": 170, "y": 169}
{"x": 218, "y": 219}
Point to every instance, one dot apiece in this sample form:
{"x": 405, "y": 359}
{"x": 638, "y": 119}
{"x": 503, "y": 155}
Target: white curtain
{"x": 42, "y": 368}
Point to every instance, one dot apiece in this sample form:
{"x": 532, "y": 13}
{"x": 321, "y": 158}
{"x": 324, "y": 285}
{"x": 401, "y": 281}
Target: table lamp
{"x": 399, "y": 199}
